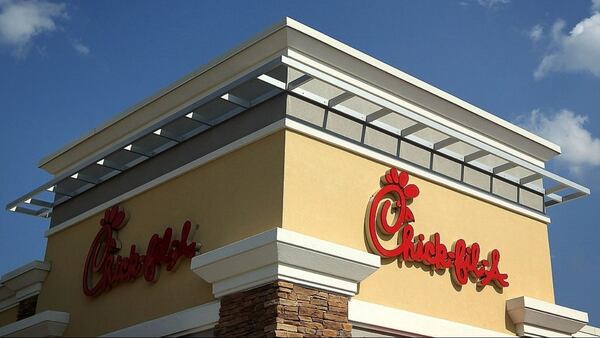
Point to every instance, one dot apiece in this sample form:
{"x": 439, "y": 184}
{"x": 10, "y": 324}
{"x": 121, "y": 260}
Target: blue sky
{"x": 67, "y": 67}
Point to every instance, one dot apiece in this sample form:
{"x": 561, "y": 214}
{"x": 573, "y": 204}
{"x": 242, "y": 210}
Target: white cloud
{"x": 21, "y": 21}
{"x": 492, "y": 3}
{"x": 595, "y": 5}
{"x": 81, "y": 48}
{"x": 580, "y": 149}
{"x": 536, "y": 33}
{"x": 577, "y": 51}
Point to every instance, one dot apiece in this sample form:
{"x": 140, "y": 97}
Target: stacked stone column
{"x": 283, "y": 309}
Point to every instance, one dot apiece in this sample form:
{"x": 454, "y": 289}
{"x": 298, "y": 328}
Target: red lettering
{"x": 407, "y": 247}
{"x": 113, "y": 269}
{"x": 461, "y": 266}
{"x": 462, "y": 260}
{"x": 493, "y": 274}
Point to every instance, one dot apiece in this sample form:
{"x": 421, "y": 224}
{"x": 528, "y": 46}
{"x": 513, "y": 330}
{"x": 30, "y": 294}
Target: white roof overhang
{"x": 366, "y": 90}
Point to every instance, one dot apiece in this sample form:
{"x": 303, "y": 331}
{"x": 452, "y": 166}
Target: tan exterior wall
{"x": 326, "y": 192}
{"x": 9, "y": 315}
{"x": 231, "y": 198}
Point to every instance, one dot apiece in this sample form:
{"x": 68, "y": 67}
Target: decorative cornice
{"x": 280, "y": 254}
{"x": 534, "y": 317}
{"x": 21, "y": 283}
{"x": 43, "y": 324}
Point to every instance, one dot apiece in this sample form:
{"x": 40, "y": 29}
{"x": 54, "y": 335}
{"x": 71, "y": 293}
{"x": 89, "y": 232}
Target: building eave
{"x": 290, "y": 34}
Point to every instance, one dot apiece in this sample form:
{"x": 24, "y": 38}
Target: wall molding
{"x": 289, "y": 124}
{"x": 535, "y": 317}
{"x": 21, "y": 283}
{"x": 280, "y": 254}
{"x": 246, "y": 140}
{"x": 198, "y": 318}
{"x": 43, "y": 324}
{"x": 400, "y": 322}
{"x": 413, "y": 169}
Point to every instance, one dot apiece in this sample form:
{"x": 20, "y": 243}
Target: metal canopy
{"x": 317, "y": 87}
{"x": 232, "y": 99}
{"x": 441, "y": 139}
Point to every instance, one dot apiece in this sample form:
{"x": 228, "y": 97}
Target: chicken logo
{"x": 392, "y": 201}
{"x": 395, "y": 188}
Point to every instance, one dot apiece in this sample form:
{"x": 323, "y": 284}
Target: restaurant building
{"x": 295, "y": 187}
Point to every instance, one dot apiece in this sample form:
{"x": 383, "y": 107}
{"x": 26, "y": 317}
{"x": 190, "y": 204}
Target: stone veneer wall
{"x": 282, "y": 309}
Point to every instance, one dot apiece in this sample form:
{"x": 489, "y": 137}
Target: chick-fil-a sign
{"x": 104, "y": 268}
{"x": 463, "y": 260}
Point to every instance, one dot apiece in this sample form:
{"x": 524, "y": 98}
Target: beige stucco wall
{"x": 326, "y": 192}
{"x": 231, "y": 198}
{"x": 9, "y": 315}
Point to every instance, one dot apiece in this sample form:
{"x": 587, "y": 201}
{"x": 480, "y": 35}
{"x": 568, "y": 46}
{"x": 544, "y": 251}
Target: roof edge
{"x": 419, "y": 83}
{"x": 288, "y": 22}
{"x": 167, "y": 89}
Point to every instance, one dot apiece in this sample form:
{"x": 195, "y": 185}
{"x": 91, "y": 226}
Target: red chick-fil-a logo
{"x": 463, "y": 260}
{"x": 102, "y": 258}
